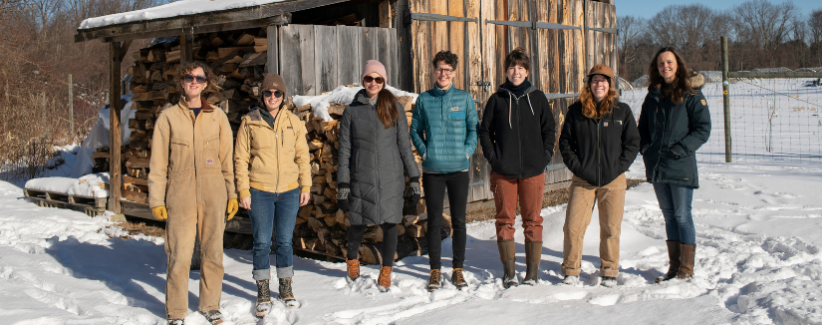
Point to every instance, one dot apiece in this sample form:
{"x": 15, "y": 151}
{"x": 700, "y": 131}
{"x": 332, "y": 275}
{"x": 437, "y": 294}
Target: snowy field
{"x": 758, "y": 262}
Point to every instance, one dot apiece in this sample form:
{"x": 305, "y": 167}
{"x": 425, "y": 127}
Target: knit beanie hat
{"x": 374, "y": 66}
{"x": 272, "y": 81}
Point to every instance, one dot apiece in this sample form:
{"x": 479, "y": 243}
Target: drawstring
{"x": 528, "y": 96}
{"x": 510, "y": 99}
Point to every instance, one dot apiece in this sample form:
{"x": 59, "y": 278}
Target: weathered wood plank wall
{"x": 316, "y": 59}
{"x": 560, "y": 58}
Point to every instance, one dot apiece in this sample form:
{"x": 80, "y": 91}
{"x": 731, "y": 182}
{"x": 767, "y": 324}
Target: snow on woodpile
{"x": 91, "y": 185}
{"x": 340, "y": 95}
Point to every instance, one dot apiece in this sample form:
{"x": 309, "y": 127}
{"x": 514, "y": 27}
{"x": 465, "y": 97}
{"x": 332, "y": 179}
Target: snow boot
{"x": 457, "y": 279}
{"x": 571, "y": 280}
{"x": 176, "y": 322}
{"x": 533, "y": 255}
{"x": 509, "y": 261}
{"x": 286, "y": 295}
{"x": 384, "y": 281}
{"x": 686, "y": 261}
{"x": 673, "y": 258}
{"x": 435, "y": 281}
{"x": 608, "y": 281}
{"x": 263, "y": 298}
{"x": 353, "y": 270}
{"x": 213, "y": 317}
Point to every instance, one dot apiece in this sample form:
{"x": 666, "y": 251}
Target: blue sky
{"x": 647, "y": 9}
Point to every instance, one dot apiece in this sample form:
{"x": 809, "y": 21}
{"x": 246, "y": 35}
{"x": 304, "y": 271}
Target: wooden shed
{"x": 313, "y": 44}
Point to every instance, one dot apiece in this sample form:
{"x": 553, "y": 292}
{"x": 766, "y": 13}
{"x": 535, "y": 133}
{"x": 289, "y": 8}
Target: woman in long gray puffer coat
{"x": 375, "y": 149}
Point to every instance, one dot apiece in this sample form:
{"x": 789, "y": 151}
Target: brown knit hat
{"x": 272, "y": 81}
{"x": 603, "y": 70}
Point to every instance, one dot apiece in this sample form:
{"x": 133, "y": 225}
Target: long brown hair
{"x": 387, "y": 107}
{"x": 589, "y": 107}
{"x": 676, "y": 92}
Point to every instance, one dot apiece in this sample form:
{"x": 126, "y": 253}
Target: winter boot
{"x": 435, "y": 281}
{"x": 263, "y": 298}
{"x": 176, "y": 322}
{"x": 608, "y": 281}
{"x": 506, "y": 255}
{"x": 384, "y": 281}
{"x": 286, "y": 295}
{"x": 214, "y": 317}
{"x": 571, "y": 280}
{"x": 353, "y": 270}
{"x": 673, "y": 258}
{"x": 686, "y": 261}
{"x": 533, "y": 255}
{"x": 457, "y": 279}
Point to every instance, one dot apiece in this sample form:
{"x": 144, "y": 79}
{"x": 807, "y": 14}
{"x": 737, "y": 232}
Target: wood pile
{"x": 238, "y": 62}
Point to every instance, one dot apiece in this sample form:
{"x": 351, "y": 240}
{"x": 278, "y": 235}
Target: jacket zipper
{"x": 599, "y": 153}
{"x": 662, "y": 139}
{"x": 519, "y": 134}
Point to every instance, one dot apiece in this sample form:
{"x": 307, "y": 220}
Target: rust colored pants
{"x": 529, "y": 191}
{"x": 610, "y": 200}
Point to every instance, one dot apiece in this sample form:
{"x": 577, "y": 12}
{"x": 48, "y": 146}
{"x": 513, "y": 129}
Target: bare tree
{"x": 684, "y": 27}
{"x": 631, "y": 28}
{"x": 764, "y": 24}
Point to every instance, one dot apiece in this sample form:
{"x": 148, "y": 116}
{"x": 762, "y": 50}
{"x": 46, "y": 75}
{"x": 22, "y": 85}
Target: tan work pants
{"x": 611, "y": 202}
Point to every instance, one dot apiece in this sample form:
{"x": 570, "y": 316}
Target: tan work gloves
{"x": 232, "y": 207}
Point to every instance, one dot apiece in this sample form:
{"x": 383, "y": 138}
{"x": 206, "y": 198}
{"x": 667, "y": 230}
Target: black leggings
{"x": 389, "y": 242}
{"x": 435, "y": 186}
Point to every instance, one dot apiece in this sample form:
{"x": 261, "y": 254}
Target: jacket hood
{"x": 505, "y": 91}
{"x": 696, "y": 80}
{"x": 362, "y": 98}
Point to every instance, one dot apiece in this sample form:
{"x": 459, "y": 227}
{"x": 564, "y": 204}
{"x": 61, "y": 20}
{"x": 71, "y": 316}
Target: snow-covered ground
{"x": 758, "y": 262}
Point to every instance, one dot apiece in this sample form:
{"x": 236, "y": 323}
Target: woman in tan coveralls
{"x": 191, "y": 184}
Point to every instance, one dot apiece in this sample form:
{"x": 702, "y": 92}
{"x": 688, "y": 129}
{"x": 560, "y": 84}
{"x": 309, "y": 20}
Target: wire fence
{"x": 773, "y": 121}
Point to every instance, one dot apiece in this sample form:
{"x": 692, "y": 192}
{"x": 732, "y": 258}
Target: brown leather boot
{"x": 533, "y": 255}
{"x": 508, "y": 258}
{"x": 384, "y": 281}
{"x": 353, "y": 270}
{"x": 458, "y": 279}
{"x": 686, "y": 261}
{"x": 673, "y": 261}
{"x": 435, "y": 281}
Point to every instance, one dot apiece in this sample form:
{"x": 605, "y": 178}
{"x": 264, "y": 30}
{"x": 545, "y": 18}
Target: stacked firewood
{"x": 238, "y": 61}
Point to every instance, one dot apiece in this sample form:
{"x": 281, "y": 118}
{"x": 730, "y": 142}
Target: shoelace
{"x": 458, "y": 276}
{"x": 285, "y": 288}
{"x": 435, "y": 277}
{"x": 263, "y": 292}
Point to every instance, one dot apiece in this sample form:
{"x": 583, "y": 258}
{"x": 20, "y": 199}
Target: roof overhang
{"x": 278, "y": 13}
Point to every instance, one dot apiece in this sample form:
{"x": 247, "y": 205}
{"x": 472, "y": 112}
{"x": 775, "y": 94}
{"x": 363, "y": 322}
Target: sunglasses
{"x": 368, "y": 79}
{"x": 276, "y": 93}
{"x": 190, "y": 78}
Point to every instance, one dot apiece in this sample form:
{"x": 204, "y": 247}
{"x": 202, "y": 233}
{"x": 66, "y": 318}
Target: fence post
{"x": 71, "y": 105}
{"x": 726, "y": 98}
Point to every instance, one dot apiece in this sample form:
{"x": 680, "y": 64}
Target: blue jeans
{"x": 273, "y": 213}
{"x": 675, "y": 202}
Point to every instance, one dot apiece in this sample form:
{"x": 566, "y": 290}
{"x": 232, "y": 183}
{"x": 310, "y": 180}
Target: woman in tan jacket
{"x": 273, "y": 179}
{"x": 191, "y": 184}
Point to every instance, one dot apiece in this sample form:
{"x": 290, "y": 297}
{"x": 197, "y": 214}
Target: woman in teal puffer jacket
{"x": 444, "y": 130}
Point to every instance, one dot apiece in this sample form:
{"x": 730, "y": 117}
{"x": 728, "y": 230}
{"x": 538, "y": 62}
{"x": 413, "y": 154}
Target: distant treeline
{"x": 761, "y": 34}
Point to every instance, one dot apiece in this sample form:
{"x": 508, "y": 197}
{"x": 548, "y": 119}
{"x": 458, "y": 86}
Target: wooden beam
{"x": 386, "y": 14}
{"x": 114, "y": 123}
{"x": 272, "y": 64}
{"x": 197, "y": 20}
{"x": 277, "y": 20}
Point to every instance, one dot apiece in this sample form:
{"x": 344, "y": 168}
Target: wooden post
{"x": 385, "y": 14}
{"x": 272, "y": 64}
{"x": 114, "y": 123}
{"x": 71, "y": 105}
{"x": 186, "y": 54}
{"x": 726, "y": 100}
